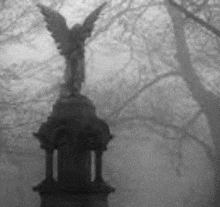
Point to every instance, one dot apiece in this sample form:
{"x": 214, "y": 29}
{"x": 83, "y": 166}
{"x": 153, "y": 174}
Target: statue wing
{"x": 90, "y": 20}
{"x": 56, "y": 24}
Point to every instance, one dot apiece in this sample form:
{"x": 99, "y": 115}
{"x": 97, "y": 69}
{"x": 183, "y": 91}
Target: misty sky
{"x": 44, "y": 47}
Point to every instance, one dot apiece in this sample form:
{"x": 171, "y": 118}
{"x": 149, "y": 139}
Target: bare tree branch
{"x": 196, "y": 19}
{"x": 134, "y": 96}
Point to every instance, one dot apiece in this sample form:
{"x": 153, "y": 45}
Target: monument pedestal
{"x": 74, "y": 130}
{"x": 54, "y": 195}
{"x": 74, "y": 201}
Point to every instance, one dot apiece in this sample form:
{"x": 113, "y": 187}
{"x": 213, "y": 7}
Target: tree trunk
{"x": 213, "y": 120}
{"x": 208, "y": 102}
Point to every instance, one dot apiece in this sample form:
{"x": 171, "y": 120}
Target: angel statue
{"x": 71, "y": 43}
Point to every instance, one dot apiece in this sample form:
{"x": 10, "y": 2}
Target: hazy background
{"x": 158, "y": 157}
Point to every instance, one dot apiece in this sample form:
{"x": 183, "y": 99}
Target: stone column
{"x": 49, "y": 164}
{"x": 98, "y": 166}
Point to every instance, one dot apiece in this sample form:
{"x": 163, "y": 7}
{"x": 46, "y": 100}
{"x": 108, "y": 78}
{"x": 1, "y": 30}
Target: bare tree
{"x": 207, "y": 100}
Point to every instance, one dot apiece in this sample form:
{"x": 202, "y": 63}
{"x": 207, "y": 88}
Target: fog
{"x": 153, "y": 76}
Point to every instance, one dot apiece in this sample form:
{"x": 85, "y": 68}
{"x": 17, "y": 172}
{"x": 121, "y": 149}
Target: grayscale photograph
{"x": 110, "y": 103}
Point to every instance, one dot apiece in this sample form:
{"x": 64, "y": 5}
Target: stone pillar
{"x": 49, "y": 164}
{"x": 74, "y": 131}
{"x": 98, "y": 166}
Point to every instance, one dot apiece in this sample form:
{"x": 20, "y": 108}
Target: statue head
{"x": 76, "y": 27}
{"x": 77, "y": 32}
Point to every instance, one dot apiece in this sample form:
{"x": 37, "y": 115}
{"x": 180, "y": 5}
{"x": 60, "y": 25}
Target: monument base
{"x": 74, "y": 201}
{"x": 54, "y": 195}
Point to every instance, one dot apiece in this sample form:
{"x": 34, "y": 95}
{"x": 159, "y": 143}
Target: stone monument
{"x": 73, "y": 129}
